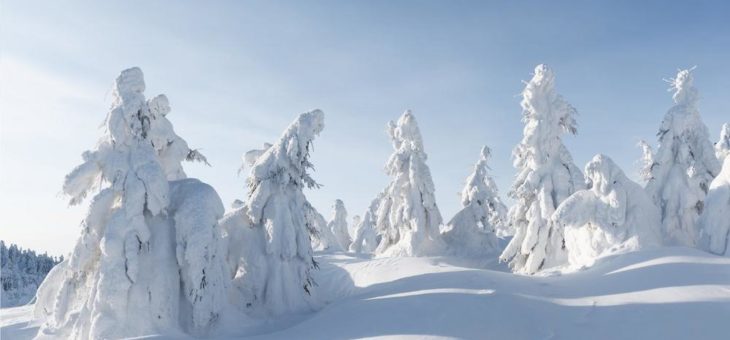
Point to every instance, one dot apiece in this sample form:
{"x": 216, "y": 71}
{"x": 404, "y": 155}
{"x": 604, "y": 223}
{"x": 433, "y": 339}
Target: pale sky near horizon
{"x": 237, "y": 73}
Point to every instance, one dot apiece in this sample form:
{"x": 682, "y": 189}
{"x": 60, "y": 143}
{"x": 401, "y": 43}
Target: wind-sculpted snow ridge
{"x": 269, "y": 237}
{"x": 546, "y": 176}
{"x": 338, "y": 225}
{"x": 408, "y": 218}
{"x": 366, "y": 236}
{"x": 683, "y": 166}
{"x": 715, "y": 219}
{"x": 722, "y": 147}
{"x": 615, "y": 215}
{"x": 123, "y": 277}
{"x": 472, "y": 231}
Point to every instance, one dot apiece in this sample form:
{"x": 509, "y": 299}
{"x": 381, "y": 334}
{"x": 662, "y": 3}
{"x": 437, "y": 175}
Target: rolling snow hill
{"x": 665, "y": 293}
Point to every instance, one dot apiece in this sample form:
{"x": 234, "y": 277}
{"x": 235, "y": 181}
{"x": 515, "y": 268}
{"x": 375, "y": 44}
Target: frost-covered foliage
{"x": 472, "y": 231}
{"x": 546, "y": 176}
{"x": 722, "y": 147}
{"x": 366, "y": 236}
{"x": 715, "y": 219}
{"x": 680, "y": 171}
{"x": 269, "y": 237}
{"x": 143, "y": 237}
{"x": 22, "y": 272}
{"x": 338, "y": 225}
{"x": 408, "y": 218}
{"x": 614, "y": 215}
{"x": 322, "y": 237}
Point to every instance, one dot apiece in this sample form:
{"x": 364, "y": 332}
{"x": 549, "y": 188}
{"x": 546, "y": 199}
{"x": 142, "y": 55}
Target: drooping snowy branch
{"x": 546, "y": 176}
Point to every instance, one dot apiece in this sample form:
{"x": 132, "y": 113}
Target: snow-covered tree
{"x": 322, "y": 237}
{"x": 614, "y": 215}
{"x": 683, "y": 165}
{"x": 148, "y": 258}
{"x": 366, "y": 236}
{"x": 408, "y": 218}
{"x": 722, "y": 147}
{"x": 338, "y": 225}
{"x": 715, "y": 218}
{"x": 546, "y": 176}
{"x": 21, "y": 272}
{"x": 270, "y": 251}
{"x": 472, "y": 231}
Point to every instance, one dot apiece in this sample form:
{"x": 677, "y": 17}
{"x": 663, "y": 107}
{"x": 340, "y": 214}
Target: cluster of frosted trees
{"x": 21, "y": 272}
{"x": 157, "y": 252}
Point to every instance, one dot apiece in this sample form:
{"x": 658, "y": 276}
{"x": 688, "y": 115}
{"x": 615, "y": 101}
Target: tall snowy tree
{"x": 270, "y": 251}
{"x": 338, "y": 225}
{"x": 683, "y": 165}
{"x": 472, "y": 231}
{"x": 143, "y": 237}
{"x": 614, "y": 215}
{"x": 715, "y": 218}
{"x": 722, "y": 147}
{"x": 408, "y": 218}
{"x": 366, "y": 236}
{"x": 546, "y": 176}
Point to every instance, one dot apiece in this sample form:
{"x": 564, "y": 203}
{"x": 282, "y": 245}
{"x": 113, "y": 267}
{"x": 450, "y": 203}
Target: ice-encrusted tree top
{"x": 481, "y": 192}
{"x": 684, "y": 164}
{"x": 722, "y": 147}
{"x": 408, "y": 216}
{"x": 546, "y": 174}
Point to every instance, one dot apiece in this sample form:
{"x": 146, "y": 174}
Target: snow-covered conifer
{"x": 338, "y": 225}
{"x": 715, "y": 218}
{"x": 546, "y": 176}
{"x": 366, "y": 237}
{"x": 143, "y": 237}
{"x": 322, "y": 237}
{"x": 270, "y": 251}
{"x": 685, "y": 164}
{"x": 408, "y": 218}
{"x": 722, "y": 147}
{"x": 614, "y": 215}
{"x": 472, "y": 231}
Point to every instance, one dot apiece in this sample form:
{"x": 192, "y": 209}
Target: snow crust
{"x": 615, "y": 215}
{"x": 407, "y": 217}
{"x": 546, "y": 176}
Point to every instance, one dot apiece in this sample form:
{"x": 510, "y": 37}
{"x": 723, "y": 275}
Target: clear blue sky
{"x": 237, "y": 73}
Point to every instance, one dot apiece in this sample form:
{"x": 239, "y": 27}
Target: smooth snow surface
{"x": 661, "y": 293}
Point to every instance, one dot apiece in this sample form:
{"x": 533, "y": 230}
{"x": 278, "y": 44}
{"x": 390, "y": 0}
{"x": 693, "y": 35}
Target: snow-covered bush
{"x": 715, "y": 218}
{"x": 472, "y": 231}
{"x": 680, "y": 171}
{"x": 366, "y": 236}
{"x": 408, "y": 218}
{"x": 21, "y": 272}
{"x": 143, "y": 237}
{"x": 338, "y": 225}
{"x": 722, "y": 147}
{"x": 270, "y": 254}
{"x": 546, "y": 176}
{"x": 614, "y": 215}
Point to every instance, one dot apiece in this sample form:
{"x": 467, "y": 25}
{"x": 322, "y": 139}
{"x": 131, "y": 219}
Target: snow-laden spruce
{"x": 614, "y": 215}
{"x": 715, "y": 218}
{"x": 680, "y": 171}
{"x": 546, "y": 176}
{"x": 322, "y": 237}
{"x": 270, "y": 254}
{"x": 148, "y": 259}
{"x": 472, "y": 231}
{"x": 408, "y": 218}
{"x": 366, "y": 236}
{"x": 722, "y": 147}
{"x": 338, "y": 225}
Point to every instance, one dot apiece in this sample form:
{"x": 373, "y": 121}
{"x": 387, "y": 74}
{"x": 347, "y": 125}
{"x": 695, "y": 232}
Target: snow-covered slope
{"x": 663, "y": 293}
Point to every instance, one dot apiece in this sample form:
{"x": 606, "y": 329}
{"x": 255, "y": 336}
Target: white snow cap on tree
{"x": 546, "y": 176}
{"x": 271, "y": 233}
{"x": 143, "y": 237}
{"x": 472, "y": 231}
{"x": 715, "y": 219}
{"x": 683, "y": 165}
{"x": 366, "y": 237}
{"x": 722, "y": 147}
{"x": 615, "y": 215}
{"x": 408, "y": 218}
{"x": 338, "y": 225}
